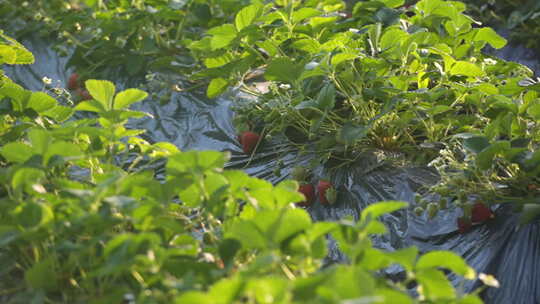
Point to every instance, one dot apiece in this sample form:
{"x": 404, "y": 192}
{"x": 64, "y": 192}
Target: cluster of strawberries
{"x": 75, "y": 85}
{"x": 326, "y": 192}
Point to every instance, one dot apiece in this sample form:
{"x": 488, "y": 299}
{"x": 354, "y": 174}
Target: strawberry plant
{"x": 141, "y": 35}
{"x": 87, "y": 218}
{"x": 410, "y": 81}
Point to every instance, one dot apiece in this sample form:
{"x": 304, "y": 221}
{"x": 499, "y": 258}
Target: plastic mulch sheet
{"x": 500, "y": 247}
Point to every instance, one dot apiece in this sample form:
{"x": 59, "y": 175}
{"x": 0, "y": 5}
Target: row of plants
{"x": 118, "y": 38}
{"x": 402, "y": 79}
{"x": 85, "y": 218}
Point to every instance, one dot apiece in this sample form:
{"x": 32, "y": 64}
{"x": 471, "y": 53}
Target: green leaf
{"x": 534, "y": 111}
{"x": 247, "y": 233}
{"x": 125, "y": 98}
{"x": 26, "y": 177}
{"x": 59, "y": 113}
{"x": 476, "y": 143}
{"x": 7, "y": 55}
{"x": 62, "y": 148}
{"x": 285, "y": 193}
{"x": 488, "y": 35}
{"x": 268, "y": 290}
{"x": 31, "y": 215}
{"x": 228, "y": 248}
{"x": 195, "y": 162}
{"x": 488, "y": 88}
{"x": 222, "y": 36}
{"x": 41, "y": 102}
{"x": 326, "y": 99}
{"x": 225, "y": 291}
{"x": 435, "y": 285}
{"x": 40, "y": 140}
{"x": 375, "y": 210}
{"x": 218, "y": 61}
{"x": 351, "y": 283}
{"x": 16, "y": 152}
{"x": 351, "y": 133}
{"x": 387, "y": 16}
{"x": 102, "y": 91}
{"x": 393, "y": 38}
{"x": 467, "y": 69}
{"x": 309, "y": 45}
{"x": 185, "y": 244}
{"x": 394, "y": 296}
{"x": 12, "y": 52}
{"x": 216, "y": 87}
{"x": 343, "y": 57}
{"x": 282, "y": 69}
{"x": 42, "y": 275}
{"x": 289, "y": 223}
{"x": 405, "y": 257}
{"x": 304, "y": 13}
{"x": 470, "y": 299}
{"x": 91, "y": 105}
{"x": 304, "y": 286}
{"x": 484, "y": 159}
{"x": 194, "y": 297}
{"x": 446, "y": 259}
{"x": 247, "y": 16}
{"x": 393, "y": 3}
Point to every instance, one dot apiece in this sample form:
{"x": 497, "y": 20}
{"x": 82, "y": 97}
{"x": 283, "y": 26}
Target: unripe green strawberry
{"x": 443, "y": 203}
{"x": 432, "y": 210}
{"x": 299, "y": 173}
{"x": 209, "y": 238}
{"x": 417, "y": 198}
{"x": 418, "y": 211}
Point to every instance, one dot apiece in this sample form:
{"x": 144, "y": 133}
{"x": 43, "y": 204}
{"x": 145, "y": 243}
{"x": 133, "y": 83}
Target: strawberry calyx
{"x": 464, "y": 224}
{"x": 300, "y": 174}
{"x": 322, "y": 187}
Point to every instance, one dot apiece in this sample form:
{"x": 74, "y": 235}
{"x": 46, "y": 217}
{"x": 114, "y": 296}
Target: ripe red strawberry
{"x": 464, "y": 224}
{"x": 481, "y": 213}
{"x": 73, "y": 82}
{"x": 323, "y": 188}
{"x": 249, "y": 141}
{"x": 309, "y": 193}
{"x": 83, "y": 94}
